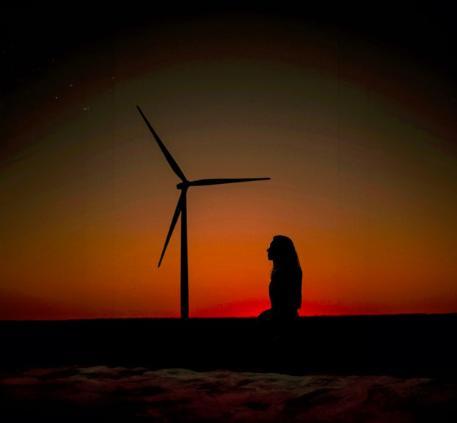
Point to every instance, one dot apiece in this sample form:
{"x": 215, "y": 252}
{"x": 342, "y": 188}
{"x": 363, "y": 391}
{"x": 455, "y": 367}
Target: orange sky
{"x": 364, "y": 178}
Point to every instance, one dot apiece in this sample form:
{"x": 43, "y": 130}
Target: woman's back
{"x": 285, "y": 290}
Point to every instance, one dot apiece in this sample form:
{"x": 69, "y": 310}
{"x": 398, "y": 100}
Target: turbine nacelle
{"x": 183, "y": 185}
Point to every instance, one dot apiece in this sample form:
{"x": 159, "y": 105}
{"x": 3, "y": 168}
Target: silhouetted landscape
{"x": 402, "y": 364}
{"x": 406, "y": 345}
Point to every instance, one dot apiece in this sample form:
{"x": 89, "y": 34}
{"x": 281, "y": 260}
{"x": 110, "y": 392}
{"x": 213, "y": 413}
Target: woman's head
{"x": 282, "y": 250}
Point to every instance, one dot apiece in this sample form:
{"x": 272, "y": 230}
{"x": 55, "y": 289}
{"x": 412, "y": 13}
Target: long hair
{"x": 285, "y": 253}
{"x": 287, "y": 272}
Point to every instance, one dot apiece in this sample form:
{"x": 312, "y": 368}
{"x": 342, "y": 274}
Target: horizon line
{"x": 177, "y": 318}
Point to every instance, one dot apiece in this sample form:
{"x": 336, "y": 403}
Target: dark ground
{"x": 413, "y": 345}
{"x": 323, "y": 369}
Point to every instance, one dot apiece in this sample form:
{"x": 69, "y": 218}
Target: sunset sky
{"x": 353, "y": 121}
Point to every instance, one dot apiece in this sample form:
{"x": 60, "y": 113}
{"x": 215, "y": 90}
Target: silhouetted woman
{"x": 285, "y": 284}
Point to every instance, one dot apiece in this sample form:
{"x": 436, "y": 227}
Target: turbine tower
{"x": 181, "y": 210}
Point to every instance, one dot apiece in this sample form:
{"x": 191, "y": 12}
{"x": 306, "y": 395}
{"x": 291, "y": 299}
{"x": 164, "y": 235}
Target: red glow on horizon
{"x": 15, "y": 307}
{"x": 252, "y": 308}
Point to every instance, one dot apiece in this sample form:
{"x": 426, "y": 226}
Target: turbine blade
{"x": 171, "y": 161}
{"x": 172, "y": 226}
{"x": 202, "y": 182}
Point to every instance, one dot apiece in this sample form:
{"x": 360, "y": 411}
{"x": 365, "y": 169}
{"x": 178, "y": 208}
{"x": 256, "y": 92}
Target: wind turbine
{"x": 181, "y": 210}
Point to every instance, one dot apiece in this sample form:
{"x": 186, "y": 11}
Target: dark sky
{"x": 36, "y": 39}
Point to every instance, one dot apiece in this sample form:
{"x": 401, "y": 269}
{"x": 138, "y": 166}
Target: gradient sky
{"x": 356, "y": 131}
